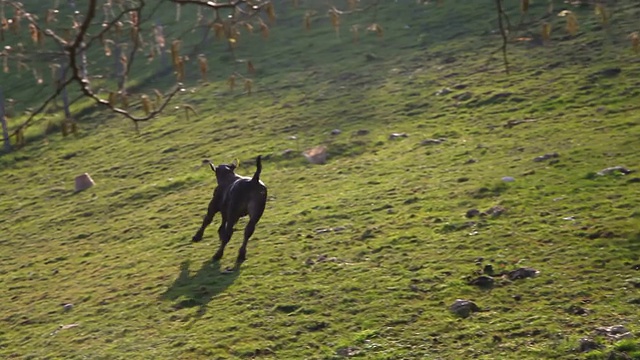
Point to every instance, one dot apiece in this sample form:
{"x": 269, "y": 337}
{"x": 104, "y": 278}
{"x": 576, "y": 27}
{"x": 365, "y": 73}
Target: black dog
{"x": 234, "y": 197}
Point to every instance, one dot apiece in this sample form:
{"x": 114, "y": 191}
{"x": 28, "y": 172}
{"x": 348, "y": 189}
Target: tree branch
{"x": 47, "y": 32}
{"x": 113, "y": 22}
{"x": 85, "y": 86}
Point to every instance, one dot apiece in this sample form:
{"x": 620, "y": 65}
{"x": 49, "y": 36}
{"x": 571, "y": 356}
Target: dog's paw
{"x": 196, "y": 238}
{"x": 229, "y": 270}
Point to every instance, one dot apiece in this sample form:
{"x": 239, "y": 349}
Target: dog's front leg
{"x": 211, "y": 212}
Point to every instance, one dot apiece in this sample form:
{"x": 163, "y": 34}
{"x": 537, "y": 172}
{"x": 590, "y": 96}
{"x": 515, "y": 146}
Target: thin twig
{"x": 503, "y": 32}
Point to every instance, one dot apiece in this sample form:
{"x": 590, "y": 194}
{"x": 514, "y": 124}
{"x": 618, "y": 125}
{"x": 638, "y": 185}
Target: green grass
{"x": 400, "y": 250}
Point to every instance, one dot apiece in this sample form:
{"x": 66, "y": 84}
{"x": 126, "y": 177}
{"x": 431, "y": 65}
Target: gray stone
{"x": 398, "y": 136}
{"x": 613, "y": 169}
{"x": 464, "y": 308}
{"x": 546, "y": 157}
{"x": 522, "y": 273}
{"x": 587, "y": 344}
{"x": 432, "y": 141}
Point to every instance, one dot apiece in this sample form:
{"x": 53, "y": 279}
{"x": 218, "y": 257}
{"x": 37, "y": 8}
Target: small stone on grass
{"x": 464, "y": 308}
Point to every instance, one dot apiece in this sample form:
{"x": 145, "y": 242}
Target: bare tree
{"x": 66, "y": 38}
{"x": 69, "y": 36}
{"x": 108, "y": 22}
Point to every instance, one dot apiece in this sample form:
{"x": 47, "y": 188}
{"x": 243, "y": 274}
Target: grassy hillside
{"x": 360, "y": 257}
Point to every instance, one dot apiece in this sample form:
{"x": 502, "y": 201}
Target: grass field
{"x": 362, "y": 256}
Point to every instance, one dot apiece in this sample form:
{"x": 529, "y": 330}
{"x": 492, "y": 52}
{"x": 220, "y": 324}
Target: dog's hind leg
{"x": 255, "y": 212}
{"x": 224, "y": 239}
{"x": 248, "y": 231}
{"x": 211, "y": 212}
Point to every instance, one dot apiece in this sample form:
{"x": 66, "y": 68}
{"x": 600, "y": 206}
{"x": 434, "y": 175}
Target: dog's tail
{"x": 256, "y": 176}
{"x": 207, "y": 161}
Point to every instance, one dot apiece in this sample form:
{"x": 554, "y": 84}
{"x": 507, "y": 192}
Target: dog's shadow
{"x": 200, "y": 288}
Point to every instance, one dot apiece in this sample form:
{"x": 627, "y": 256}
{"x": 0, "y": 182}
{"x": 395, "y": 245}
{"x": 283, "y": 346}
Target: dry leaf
{"x": 125, "y": 101}
{"x": 335, "y": 20}
{"x": 377, "y": 29}
{"x": 218, "y": 30}
{"x": 354, "y": 31}
{"x": 188, "y": 108}
{"x": 271, "y": 12}
{"x": 202, "y": 61}
{"x": 602, "y": 13}
{"x": 232, "y": 82}
{"x": 572, "y": 21}
{"x": 307, "y": 20}
{"x": 635, "y": 41}
{"x": 112, "y": 99}
{"x": 546, "y": 31}
{"x": 33, "y": 31}
{"x": 158, "y": 97}
{"x": 180, "y": 71}
{"x": 175, "y": 53}
{"x": 146, "y": 104}
{"x": 264, "y": 29}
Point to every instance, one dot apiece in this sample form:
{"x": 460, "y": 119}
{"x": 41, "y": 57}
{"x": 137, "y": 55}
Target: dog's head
{"x": 225, "y": 173}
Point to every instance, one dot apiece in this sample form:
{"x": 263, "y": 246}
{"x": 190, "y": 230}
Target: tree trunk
{"x": 5, "y": 128}
{"x": 65, "y": 96}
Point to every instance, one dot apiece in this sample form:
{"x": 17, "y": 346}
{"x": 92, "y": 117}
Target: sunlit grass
{"x": 360, "y": 256}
